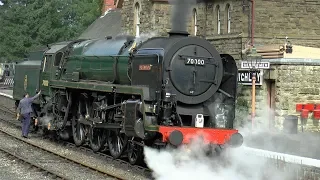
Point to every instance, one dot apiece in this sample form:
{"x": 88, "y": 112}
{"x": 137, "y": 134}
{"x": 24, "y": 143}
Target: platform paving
{"x": 301, "y": 144}
{"x": 6, "y": 91}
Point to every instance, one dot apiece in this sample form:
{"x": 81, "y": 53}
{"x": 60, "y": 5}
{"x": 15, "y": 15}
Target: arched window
{"x": 137, "y": 19}
{"x": 195, "y": 22}
{"x": 218, "y": 19}
{"x": 228, "y": 16}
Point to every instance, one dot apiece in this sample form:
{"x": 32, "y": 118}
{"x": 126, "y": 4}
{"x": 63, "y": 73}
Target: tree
{"x": 27, "y": 24}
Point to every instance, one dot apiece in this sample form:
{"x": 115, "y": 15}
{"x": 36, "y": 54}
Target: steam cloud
{"x": 193, "y": 163}
{"x": 145, "y": 36}
{"x": 181, "y": 10}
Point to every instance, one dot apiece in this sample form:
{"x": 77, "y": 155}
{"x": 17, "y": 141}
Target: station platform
{"x": 6, "y": 91}
{"x": 303, "y": 144}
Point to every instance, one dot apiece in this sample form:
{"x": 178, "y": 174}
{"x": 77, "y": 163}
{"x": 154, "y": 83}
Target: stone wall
{"x": 297, "y": 19}
{"x": 296, "y": 84}
{"x": 274, "y": 20}
{"x": 155, "y": 19}
{"x": 262, "y": 110}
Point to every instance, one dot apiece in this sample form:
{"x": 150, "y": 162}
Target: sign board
{"x": 245, "y": 77}
{"x": 260, "y": 65}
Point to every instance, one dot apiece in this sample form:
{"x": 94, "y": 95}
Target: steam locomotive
{"x": 124, "y": 94}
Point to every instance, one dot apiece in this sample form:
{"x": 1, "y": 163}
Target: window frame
{"x": 137, "y": 19}
{"x": 218, "y": 20}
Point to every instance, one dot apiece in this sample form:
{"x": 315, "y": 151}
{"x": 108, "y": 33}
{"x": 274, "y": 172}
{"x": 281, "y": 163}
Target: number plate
{"x": 194, "y": 61}
{"x": 145, "y": 67}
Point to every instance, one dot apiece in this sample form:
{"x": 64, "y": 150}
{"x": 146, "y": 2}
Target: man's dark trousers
{"x": 25, "y": 124}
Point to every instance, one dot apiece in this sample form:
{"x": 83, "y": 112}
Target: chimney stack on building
{"x": 108, "y": 5}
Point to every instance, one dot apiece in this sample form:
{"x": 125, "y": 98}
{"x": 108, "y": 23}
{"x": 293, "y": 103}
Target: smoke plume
{"x": 181, "y": 10}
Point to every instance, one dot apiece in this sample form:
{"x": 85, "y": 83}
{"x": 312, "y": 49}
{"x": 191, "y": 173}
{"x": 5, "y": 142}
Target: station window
{"x": 228, "y": 15}
{"x": 137, "y": 19}
{"x": 195, "y": 24}
{"x": 218, "y": 19}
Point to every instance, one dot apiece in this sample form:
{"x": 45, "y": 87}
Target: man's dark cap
{"x": 24, "y": 95}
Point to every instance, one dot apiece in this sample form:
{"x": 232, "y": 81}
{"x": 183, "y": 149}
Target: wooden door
{"x": 271, "y": 87}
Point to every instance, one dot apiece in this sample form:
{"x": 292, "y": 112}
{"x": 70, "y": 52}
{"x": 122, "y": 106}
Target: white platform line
{"x": 6, "y": 95}
{"x": 285, "y": 157}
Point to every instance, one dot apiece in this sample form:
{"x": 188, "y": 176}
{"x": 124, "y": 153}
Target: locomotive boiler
{"x": 122, "y": 94}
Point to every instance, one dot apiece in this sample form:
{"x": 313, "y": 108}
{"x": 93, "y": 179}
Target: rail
{"x": 33, "y": 164}
{"x": 62, "y": 155}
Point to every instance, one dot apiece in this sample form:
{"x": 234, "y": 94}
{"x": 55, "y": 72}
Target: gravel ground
{"x": 48, "y": 160}
{"x": 93, "y": 161}
{"x": 11, "y": 169}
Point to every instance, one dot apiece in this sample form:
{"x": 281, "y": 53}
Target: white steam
{"x": 192, "y": 163}
{"x": 44, "y": 121}
{"x": 145, "y": 36}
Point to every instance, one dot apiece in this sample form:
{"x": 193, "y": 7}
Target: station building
{"x": 285, "y": 33}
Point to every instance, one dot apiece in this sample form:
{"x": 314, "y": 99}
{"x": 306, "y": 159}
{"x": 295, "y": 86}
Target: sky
{"x": 1, "y": 3}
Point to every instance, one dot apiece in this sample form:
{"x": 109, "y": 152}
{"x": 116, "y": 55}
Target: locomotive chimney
{"x": 181, "y": 10}
{"x": 178, "y": 33}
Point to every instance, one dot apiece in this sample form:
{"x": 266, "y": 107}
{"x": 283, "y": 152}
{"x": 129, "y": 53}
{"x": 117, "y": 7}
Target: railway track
{"x": 142, "y": 172}
{"x": 52, "y": 164}
{"x": 49, "y": 173}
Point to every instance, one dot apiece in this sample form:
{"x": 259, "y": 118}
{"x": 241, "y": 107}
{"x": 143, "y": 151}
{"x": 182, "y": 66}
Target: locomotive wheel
{"x": 77, "y": 132}
{"x": 117, "y": 141}
{"x": 98, "y": 139}
{"x": 135, "y": 153}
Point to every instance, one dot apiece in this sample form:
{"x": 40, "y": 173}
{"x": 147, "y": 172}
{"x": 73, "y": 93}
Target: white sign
{"x": 259, "y": 65}
{"x": 245, "y": 77}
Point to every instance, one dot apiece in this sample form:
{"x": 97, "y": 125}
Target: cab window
{"x": 46, "y": 63}
{"x": 58, "y": 59}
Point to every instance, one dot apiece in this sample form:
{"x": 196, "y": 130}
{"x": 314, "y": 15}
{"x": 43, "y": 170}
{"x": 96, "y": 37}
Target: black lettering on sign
{"x": 245, "y": 77}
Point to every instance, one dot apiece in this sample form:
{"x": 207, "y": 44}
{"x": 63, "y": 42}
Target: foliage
{"x": 27, "y": 24}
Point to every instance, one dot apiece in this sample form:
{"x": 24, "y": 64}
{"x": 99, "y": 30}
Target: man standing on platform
{"x": 25, "y": 110}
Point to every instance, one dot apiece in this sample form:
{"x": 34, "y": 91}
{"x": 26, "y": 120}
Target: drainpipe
{"x": 252, "y": 22}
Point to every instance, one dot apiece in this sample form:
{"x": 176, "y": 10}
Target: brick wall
{"x": 108, "y": 4}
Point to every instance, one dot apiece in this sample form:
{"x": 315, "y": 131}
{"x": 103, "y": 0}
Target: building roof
{"x": 277, "y": 51}
{"x": 303, "y": 52}
{"x": 107, "y": 25}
